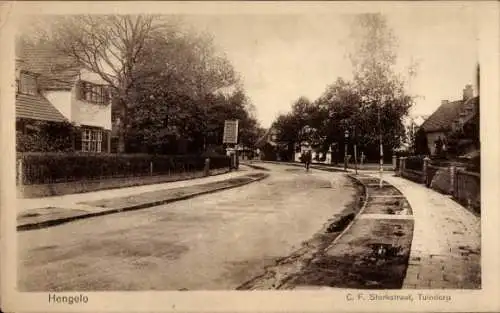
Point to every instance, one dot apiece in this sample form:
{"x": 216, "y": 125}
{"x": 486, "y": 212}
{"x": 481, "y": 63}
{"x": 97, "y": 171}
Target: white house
{"x": 411, "y": 123}
{"x": 80, "y": 96}
{"x": 304, "y": 146}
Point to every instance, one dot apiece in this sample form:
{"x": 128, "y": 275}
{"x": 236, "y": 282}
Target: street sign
{"x": 230, "y": 132}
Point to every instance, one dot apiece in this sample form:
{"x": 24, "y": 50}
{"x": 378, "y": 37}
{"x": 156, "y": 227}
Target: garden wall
{"x": 452, "y": 179}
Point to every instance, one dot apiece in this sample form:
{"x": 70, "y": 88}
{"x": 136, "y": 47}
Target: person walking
{"x": 307, "y": 159}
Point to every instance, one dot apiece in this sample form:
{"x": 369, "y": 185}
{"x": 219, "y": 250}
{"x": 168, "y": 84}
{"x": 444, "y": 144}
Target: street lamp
{"x": 355, "y": 150}
{"x": 346, "y": 138}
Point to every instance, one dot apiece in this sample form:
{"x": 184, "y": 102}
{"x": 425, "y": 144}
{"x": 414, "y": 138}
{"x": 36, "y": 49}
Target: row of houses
{"x": 458, "y": 116}
{"x": 51, "y": 87}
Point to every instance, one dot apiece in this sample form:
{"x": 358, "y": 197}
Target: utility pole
{"x": 346, "y": 137}
{"x": 381, "y": 145}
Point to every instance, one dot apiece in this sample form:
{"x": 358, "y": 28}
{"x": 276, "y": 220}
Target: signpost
{"x": 230, "y": 137}
{"x": 230, "y": 132}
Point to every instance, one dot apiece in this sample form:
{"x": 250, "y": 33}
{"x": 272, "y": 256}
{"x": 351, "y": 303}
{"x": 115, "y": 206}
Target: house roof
{"x": 267, "y": 137}
{"x": 263, "y": 137}
{"x": 58, "y": 71}
{"x": 37, "y": 108}
{"x": 442, "y": 119}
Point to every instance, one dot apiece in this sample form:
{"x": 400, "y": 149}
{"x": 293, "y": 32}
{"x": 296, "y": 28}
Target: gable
{"x": 442, "y": 119}
{"x": 58, "y": 71}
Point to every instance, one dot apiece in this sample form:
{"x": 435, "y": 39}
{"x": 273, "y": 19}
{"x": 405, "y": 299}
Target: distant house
{"x": 51, "y": 87}
{"x": 412, "y": 125}
{"x": 268, "y": 145}
{"x": 454, "y": 117}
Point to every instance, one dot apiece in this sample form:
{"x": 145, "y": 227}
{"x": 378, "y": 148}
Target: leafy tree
{"x": 383, "y": 101}
{"x": 340, "y": 103}
{"x": 371, "y": 106}
{"x": 421, "y": 144}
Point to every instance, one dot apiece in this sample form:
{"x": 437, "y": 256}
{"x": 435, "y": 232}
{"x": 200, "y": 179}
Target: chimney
{"x": 468, "y": 92}
{"x": 443, "y": 102}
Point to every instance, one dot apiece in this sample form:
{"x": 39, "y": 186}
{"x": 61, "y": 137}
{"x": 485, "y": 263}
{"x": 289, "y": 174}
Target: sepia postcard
{"x": 249, "y": 156}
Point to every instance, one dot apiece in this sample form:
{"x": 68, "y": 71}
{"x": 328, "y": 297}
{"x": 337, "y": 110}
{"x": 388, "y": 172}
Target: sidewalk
{"x": 445, "y": 252}
{"x": 44, "y": 212}
{"x": 33, "y": 203}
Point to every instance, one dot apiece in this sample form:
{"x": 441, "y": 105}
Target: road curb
{"x": 256, "y": 167}
{"x": 363, "y": 208}
{"x": 59, "y": 221}
{"x": 360, "y": 211}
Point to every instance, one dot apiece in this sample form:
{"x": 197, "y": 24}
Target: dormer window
{"x": 94, "y": 93}
{"x": 27, "y": 84}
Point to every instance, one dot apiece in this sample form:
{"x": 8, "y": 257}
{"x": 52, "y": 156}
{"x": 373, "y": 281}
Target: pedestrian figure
{"x": 307, "y": 159}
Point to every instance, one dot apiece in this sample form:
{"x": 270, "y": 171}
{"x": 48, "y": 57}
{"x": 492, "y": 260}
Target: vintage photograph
{"x": 185, "y": 152}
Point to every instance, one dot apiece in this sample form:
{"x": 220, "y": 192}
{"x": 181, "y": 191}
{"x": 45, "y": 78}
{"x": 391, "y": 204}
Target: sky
{"x": 282, "y": 57}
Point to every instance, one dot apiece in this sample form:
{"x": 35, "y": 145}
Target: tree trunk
{"x": 122, "y": 128}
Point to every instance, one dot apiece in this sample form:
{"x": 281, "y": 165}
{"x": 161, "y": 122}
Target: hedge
{"x": 45, "y": 168}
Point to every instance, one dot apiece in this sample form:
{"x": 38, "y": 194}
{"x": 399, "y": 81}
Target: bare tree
{"x": 111, "y": 46}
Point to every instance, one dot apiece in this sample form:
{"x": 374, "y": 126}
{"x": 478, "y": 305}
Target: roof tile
{"x": 442, "y": 119}
{"x": 37, "y": 108}
{"x": 58, "y": 71}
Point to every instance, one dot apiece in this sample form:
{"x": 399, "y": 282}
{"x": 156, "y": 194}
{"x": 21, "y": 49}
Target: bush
{"x": 43, "y": 168}
{"x": 45, "y": 137}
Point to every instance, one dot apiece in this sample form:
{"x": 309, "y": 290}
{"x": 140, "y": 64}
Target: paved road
{"x": 216, "y": 241}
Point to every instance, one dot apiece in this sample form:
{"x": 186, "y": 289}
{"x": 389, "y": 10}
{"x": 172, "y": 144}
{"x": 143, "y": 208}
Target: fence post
{"x": 394, "y": 162}
{"x": 206, "y": 170}
{"x": 402, "y": 165}
{"x": 398, "y": 166}
{"x": 425, "y": 169}
{"x": 453, "y": 178}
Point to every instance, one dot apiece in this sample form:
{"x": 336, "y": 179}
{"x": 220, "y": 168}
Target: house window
{"x": 27, "y": 84}
{"x": 94, "y": 93}
{"x": 91, "y": 140}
